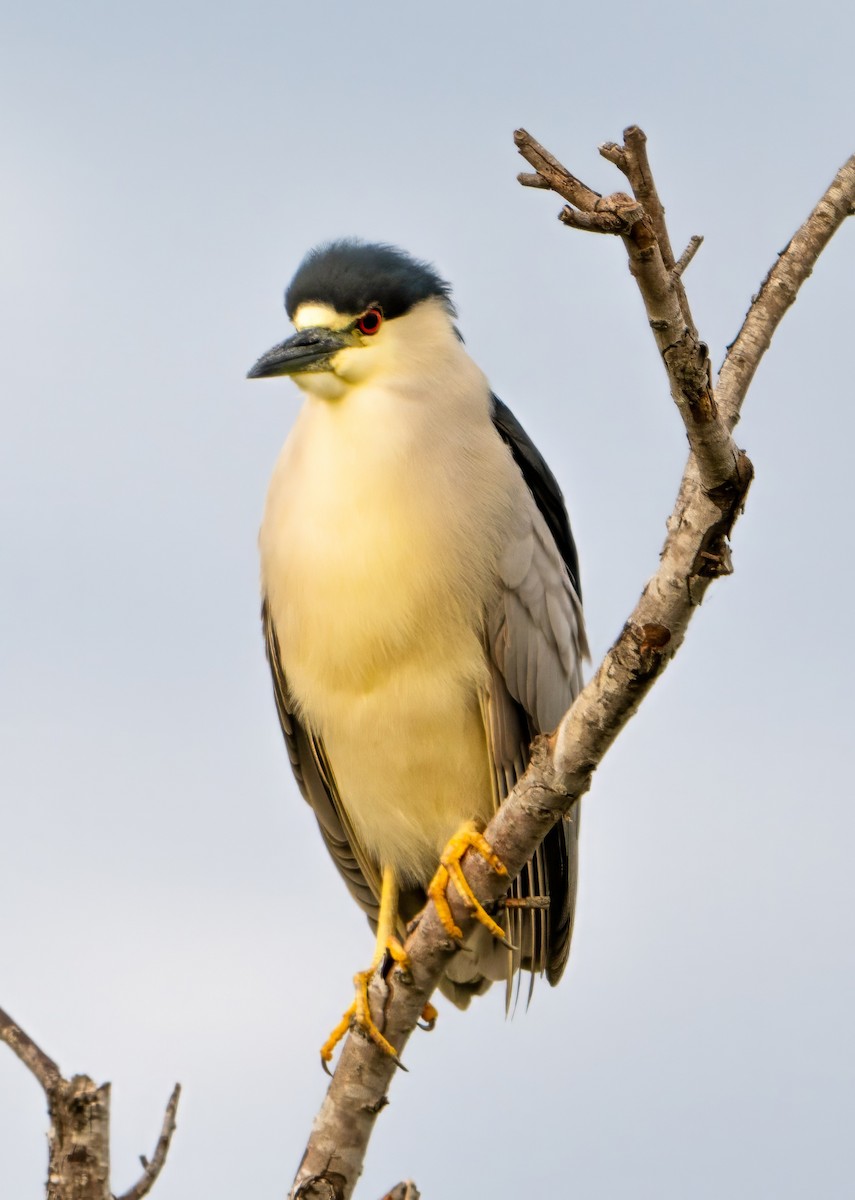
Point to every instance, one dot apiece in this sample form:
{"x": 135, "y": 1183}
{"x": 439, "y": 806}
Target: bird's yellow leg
{"x": 387, "y": 923}
{"x": 450, "y": 870}
{"x": 359, "y": 1012}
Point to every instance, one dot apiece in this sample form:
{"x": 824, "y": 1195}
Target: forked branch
{"x": 696, "y": 551}
{"x": 79, "y": 1138}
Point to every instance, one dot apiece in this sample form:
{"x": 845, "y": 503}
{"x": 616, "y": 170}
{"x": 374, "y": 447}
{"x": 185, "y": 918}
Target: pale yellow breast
{"x": 378, "y": 570}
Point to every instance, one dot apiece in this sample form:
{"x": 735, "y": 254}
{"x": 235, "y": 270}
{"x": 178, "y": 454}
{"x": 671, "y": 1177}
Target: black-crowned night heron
{"x": 421, "y": 607}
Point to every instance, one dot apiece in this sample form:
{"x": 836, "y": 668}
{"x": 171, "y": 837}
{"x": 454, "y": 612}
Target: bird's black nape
{"x": 350, "y": 275}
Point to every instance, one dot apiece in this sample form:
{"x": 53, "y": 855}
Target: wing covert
{"x": 536, "y": 642}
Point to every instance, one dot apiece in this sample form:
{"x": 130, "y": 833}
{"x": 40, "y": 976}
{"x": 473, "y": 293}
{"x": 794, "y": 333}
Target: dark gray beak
{"x": 308, "y": 350}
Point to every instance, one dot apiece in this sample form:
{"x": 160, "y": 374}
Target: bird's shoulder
{"x": 541, "y": 483}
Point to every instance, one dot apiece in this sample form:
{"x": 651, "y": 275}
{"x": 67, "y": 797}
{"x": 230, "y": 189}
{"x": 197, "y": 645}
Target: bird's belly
{"x": 391, "y": 682}
{"x": 410, "y": 762}
{"x": 388, "y": 672}
{"x": 378, "y": 575}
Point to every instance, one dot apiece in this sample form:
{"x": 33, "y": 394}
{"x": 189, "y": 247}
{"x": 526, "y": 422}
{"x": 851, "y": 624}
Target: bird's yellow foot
{"x": 450, "y": 870}
{"x": 359, "y": 1012}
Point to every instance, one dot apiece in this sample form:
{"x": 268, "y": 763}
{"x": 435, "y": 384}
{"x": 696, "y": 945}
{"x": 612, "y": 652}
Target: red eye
{"x": 370, "y": 321}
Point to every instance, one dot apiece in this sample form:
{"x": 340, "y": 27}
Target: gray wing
{"x": 536, "y": 643}
{"x": 317, "y": 785}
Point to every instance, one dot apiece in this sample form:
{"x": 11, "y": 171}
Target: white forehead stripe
{"x": 310, "y": 316}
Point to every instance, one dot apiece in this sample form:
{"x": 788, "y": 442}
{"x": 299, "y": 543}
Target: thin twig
{"x": 695, "y": 242}
{"x": 780, "y": 288}
{"x": 556, "y": 175}
{"x": 153, "y": 1167}
{"x": 32, "y": 1056}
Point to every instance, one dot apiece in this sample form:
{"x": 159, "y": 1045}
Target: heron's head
{"x": 363, "y": 312}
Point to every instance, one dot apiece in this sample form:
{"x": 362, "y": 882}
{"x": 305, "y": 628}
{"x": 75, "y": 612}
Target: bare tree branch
{"x": 45, "y": 1069}
{"x": 780, "y": 288}
{"x": 555, "y": 175}
{"x": 79, "y": 1140}
{"x": 79, "y": 1137}
{"x": 152, "y": 1169}
{"x": 696, "y": 551}
{"x": 651, "y": 261}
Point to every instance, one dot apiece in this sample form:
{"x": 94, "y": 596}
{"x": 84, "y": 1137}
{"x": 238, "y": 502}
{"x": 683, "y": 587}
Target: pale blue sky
{"x": 170, "y": 912}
